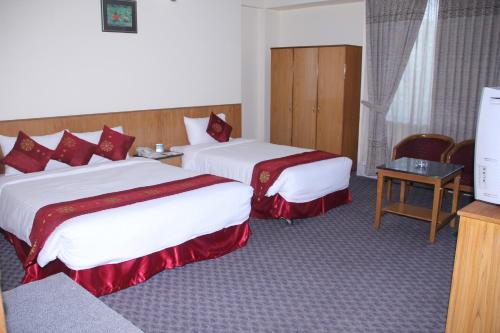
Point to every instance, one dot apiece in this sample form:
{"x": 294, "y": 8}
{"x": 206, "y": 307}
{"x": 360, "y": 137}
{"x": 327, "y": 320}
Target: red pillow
{"x": 73, "y": 151}
{"x": 27, "y": 155}
{"x": 114, "y": 145}
{"x": 218, "y": 128}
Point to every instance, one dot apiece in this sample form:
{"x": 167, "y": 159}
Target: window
{"x": 410, "y": 110}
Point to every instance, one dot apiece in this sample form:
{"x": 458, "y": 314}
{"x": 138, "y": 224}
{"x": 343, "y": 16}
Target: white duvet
{"x": 236, "y": 159}
{"x": 124, "y": 233}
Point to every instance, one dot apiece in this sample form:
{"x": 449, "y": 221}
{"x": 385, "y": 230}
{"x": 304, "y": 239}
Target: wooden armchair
{"x": 431, "y": 147}
{"x": 463, "y": 153}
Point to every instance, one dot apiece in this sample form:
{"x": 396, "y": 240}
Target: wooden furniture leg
{"x": 454, "y": 202}
{"x": 436, "y": 207}
{"x": 380, "y": 191}
{"x": 3, "y": 325}
{"x": 402, "y": 191}
{"x": 389, "y": 190}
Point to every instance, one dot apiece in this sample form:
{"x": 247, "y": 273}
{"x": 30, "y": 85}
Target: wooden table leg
{"x": 454, "y": 202}
{"x": 380, "y": 191}
{"x": 436, "y": 207}
{"x": 402, "y": 191}
{"x": 389, "y": 190}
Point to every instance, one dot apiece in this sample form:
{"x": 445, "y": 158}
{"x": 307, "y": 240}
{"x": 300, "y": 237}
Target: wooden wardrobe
{"x": 315, "y": 98}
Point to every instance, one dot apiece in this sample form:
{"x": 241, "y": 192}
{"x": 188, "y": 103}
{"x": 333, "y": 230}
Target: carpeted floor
{"x": 333, "y": 273}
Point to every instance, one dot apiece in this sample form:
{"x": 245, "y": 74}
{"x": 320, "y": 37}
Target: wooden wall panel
{"x": 149, "y": 126}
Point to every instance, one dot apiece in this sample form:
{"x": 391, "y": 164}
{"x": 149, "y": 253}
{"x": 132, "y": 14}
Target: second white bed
{"x": 236, "y": 159}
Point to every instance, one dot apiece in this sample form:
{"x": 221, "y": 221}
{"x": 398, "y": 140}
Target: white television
{"x": 487, "y": 154}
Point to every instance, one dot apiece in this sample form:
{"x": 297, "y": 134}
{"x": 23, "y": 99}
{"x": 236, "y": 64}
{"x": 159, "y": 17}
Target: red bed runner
{"x": 51, "y": 216}
{"x": 267, "y": 172}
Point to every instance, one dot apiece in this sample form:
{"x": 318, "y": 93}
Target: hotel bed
{"x": 122, "y": 245}
{"x": 300, "y": 191}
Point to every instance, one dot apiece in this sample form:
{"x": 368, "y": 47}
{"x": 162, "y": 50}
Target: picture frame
{"x": 119, "y": 16}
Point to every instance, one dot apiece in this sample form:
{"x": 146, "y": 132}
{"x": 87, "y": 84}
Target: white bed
{"x": 236, "y": 159}
{"x": 124, "y": 233}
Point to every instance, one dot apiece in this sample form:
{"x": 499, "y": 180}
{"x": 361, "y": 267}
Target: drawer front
{"x": 175, "y": 161}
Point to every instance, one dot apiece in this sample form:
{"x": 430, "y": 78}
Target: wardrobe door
{"x": 281, "y": 96}
{"x": 352, "y": 97}
{"x": 330, "y": 99}
{"x": 305, "y": 85}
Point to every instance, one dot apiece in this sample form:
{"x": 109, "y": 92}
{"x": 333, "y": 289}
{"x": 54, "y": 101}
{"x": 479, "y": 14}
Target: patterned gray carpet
{"x": 333, "y": 273}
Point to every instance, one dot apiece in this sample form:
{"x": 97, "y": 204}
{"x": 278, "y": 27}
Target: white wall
{"x": 55, "y": 60}
{"x": 253, "y": 70}
{"x": 259, "y": 31}
{"x": 325, "y": 25}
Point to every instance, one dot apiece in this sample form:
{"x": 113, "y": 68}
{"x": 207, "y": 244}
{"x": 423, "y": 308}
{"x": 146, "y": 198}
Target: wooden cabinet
{"x": 475, "y": 289}
{"x": 315, "y": 98}
{"x": 175, "y": 161}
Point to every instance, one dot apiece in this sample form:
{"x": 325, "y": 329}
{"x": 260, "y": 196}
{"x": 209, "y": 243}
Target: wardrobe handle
{"x": 313, "y": 109}
{"x": 317, "y": 110}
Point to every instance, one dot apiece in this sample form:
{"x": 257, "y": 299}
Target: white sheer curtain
{"x": 410, "y": 111}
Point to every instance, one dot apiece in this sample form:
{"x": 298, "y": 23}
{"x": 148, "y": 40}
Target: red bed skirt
{"x": 107, "y": 279}
{"x": 276, "y": 207}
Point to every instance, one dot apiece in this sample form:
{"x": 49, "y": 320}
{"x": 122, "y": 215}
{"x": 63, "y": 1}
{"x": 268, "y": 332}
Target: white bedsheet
{"x": 236, "y": 159}
{"x": 124, "y": 233}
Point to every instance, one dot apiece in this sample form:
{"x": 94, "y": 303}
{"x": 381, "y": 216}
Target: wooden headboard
{"x": 149, "y": 126}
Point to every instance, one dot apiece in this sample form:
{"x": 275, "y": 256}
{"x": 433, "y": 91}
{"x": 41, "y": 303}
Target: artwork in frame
{"x": 119, "y": 16}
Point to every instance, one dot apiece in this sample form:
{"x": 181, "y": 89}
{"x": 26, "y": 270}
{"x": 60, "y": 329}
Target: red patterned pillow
{"x": 114, "y": 145}
{"x": 27, "y": 155}
{"x": 73, "y": 151}
{"x": 218, "y": 128}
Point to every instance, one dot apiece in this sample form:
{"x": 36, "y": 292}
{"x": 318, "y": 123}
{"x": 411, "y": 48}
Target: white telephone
{"x": 148, "y": 152}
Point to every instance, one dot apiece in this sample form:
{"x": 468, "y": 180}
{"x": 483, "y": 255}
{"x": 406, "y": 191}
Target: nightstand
{"x": 173, "y": 158}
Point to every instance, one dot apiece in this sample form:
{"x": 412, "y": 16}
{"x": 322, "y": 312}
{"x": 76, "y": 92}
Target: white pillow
{"x": 50, "y": 141}
{"x": 196, "y": 129}
{"x": 94, "y": 137}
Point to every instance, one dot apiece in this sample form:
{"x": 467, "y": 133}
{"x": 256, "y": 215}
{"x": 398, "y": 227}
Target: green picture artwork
{"x": 119, "y": 15}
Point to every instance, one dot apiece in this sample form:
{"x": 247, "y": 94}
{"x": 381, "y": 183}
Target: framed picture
{"x": 119, "y": 16}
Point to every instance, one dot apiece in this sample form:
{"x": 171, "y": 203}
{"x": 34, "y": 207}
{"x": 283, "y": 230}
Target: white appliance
{"x": 487, "y": 160}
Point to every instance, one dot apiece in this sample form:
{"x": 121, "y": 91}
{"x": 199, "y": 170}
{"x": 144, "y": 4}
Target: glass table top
{"x": 421, "y": 167}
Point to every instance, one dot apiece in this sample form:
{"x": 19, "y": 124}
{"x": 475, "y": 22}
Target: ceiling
{"x": 293, "y": 4}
